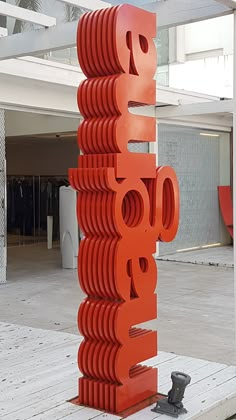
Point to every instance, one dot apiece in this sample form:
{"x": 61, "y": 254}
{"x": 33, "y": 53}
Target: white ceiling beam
{"x": 30, "y": 124}
{"x": 180, "y": 12}
{"x": 228, "y": 3}
{"x": 209, "y": 122}
{"x": 29, "y": 95}
{"x": 202, "y": 108}
{"x": 26, "y": 15}
{"x": 170, "y": 13}
{"x": 39, "y": 41}
{"x": 87, "y": 4}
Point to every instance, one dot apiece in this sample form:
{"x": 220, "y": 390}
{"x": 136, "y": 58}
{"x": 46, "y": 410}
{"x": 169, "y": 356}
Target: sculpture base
{"x": 132, "y": 410}
{"x": 115, "y": 398}
{"x": 137, "y": 393}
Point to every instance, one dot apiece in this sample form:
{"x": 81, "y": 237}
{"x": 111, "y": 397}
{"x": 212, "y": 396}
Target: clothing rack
{"x": 30, "y": 199}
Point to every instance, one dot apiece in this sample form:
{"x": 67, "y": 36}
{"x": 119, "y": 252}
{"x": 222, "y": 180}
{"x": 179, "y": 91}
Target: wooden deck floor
{"x": 38, "y": 374}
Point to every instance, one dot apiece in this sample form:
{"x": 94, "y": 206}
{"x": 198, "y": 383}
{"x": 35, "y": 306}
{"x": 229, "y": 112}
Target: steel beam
{"x": 170, "y": 13}
{"x": 26, "y": 15}
{"x": 211, "y": 107}
{"x": 87, "y": 4}
{"x": 229, "y": 3}
{"x": 39, "y": 41}
{"x": 180, "y": 12}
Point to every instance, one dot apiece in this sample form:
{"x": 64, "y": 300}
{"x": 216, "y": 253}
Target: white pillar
{"x": 234, "y": 171}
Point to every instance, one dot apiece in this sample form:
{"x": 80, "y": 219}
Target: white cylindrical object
{"x": 69, "y": 234}
{"x": 49, "y": 231}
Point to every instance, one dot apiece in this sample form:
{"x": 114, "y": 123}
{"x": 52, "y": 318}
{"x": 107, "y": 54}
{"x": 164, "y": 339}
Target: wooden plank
{"x": 145, "y": 414}
{"x": 206, "y": 371}
{"x": 197, "y": 392}
{"x": 36, "y": 342}
{"x": 89, "y": 413}
{"x": 164, "y": 387}
{"x": 40, "y": 383}
{"x": 34, "y": 375}
{"x": 14, "y": 403}
{"x": 33, "y": 409}
{"x": 196, "y": 376}
{"x": 61, "y": 355}
{"x": 31, "y": 330}
{"x": 200, "y": 407}
{"x": 15, "y": 357}
{"x": 211, "y": 382}
{"x": 182, "y": 364}
{"x": 14, "y": 332}
{"x": 161, "y": 358}
{"x": 64, "y": 410}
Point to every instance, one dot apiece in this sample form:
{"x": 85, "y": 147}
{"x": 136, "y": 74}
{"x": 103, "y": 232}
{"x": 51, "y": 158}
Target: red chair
{"x": 226, "y": 207}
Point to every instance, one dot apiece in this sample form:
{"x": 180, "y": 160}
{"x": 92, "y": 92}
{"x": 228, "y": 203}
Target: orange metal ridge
{"x": 124, "y": 206}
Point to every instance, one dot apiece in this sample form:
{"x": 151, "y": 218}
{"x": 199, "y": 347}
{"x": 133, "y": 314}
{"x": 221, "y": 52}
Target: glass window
{"x": 162, "y": 43}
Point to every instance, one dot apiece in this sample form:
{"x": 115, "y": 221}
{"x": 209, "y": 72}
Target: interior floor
{"x": 222, "y": 256}
{"x": 21, "y": 240}
{"x": 195, "y": 309}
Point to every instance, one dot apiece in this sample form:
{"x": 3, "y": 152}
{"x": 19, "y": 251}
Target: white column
{"x": 49, "y": 231}
{"x": 234, "y": 169}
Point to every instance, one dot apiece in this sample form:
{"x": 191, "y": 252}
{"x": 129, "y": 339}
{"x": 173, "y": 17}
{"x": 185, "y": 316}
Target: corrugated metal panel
{"x": 196, "y": 160}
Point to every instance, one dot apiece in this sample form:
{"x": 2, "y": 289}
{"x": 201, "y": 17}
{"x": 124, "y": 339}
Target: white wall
{"x": 210, "y": 35}
{"x": 207, "y": 58}
{"x": 212, "y": 76}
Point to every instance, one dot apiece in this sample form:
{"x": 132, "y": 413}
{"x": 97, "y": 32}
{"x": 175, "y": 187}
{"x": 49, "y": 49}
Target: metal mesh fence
{"x": 196, "y": 160}
{"x": 3, "y": 239}
{"x": 138, "y": 147}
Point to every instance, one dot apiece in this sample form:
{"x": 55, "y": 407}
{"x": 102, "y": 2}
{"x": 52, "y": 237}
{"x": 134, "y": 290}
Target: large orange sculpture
{"x": 125, "y": 205}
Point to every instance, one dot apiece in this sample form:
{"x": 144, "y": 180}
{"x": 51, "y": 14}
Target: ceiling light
{"x": 211, "y": 245}
{"x": 210, "y": 134}
{"x": 195, "y": 248}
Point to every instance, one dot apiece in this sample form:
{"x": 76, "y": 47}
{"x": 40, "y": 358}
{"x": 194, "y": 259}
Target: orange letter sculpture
{"x": 125, "y": 205}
